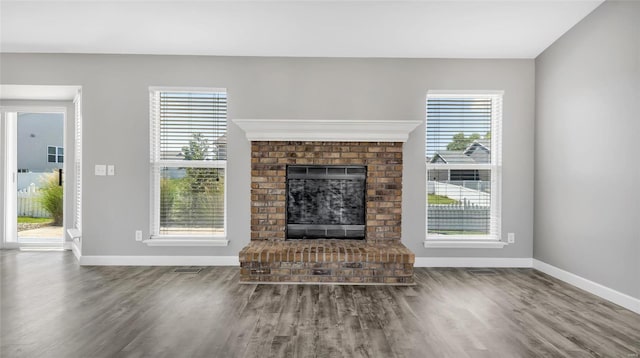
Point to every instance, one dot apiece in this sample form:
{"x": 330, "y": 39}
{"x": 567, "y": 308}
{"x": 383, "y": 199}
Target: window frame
{"x": 75, "y": 232}
{"x": 494, "y": 238}
{"x": 156, "y": 164}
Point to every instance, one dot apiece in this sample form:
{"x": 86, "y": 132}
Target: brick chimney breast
{"x": 380, "y": 258}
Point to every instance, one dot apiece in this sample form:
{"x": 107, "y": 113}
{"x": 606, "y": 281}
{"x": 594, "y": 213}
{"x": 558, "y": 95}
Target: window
{"x": 55, "y": 154}
{"x": 463, "y": 156}
{"x": 188, "y": 163}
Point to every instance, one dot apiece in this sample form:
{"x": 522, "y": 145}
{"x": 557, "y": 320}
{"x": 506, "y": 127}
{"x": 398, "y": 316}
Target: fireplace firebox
{"x": 325, "y": 202}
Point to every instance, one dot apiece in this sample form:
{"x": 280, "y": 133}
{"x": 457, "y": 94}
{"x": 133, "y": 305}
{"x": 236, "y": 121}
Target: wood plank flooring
{"x": 51, "y": 307}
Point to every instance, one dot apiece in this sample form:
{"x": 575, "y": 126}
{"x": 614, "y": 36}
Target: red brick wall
{"x": 384, "y": 182}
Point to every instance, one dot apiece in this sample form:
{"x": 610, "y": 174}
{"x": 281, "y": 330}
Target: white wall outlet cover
{"x": 111, "y": 169}
{"x": 138, "y": 235}
{"x": 101, "y": 169}
{"x": 511, "y": 237}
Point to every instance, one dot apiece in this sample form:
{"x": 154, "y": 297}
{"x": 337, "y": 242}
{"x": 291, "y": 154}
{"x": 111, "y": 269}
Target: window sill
{"x": 74, "y": 233}
{"x": 177, "y": 241}
{"x": 464, "y": 244}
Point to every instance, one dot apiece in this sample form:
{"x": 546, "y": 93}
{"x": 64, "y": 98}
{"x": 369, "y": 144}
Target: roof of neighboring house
{"x": 452, "y": 157}
{"x": 476, "y": 144}
{"x": 461, "y": 156}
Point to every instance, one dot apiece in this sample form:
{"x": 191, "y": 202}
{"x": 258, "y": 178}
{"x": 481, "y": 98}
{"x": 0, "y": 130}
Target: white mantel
{"x": 330, "y": 130}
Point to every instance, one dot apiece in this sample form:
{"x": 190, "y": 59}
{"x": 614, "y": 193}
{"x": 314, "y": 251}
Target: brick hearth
{"x": 380, "y": 258}
{"x": 337, "y": 261}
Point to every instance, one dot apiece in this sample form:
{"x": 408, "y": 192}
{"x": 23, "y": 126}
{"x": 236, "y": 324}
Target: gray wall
{"x": 587, "y": 127}
{"x": 116, "y": 129}
{"x": 37, "y": 131}
{"x": 2, "y": 200}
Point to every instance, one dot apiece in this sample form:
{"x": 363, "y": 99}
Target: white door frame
{"x": 9, "y": 115}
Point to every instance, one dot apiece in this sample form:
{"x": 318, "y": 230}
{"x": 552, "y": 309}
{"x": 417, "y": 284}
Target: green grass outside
{"x": 440, "y": 199}
{"x": 30, "y": 220}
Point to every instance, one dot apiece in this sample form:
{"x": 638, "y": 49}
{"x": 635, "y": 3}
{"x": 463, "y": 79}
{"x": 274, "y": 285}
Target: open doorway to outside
{"x": 41, "y": 167}
{"x": 34, "y": 157}
{"x": 39, "y": 178}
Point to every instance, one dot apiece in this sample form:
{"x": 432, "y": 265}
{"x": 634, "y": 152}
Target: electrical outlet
{"x": 511, "y": 237}
{"x": 101, "y": 170}
{"x": 111, "y": 169}
{"x": 138, "y": 235}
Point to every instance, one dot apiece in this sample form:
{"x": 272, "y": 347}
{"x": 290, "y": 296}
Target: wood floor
{"x": 51, "y": 307}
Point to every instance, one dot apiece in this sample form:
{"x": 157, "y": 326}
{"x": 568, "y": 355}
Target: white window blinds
{"x": 463, "y": 155}
{"x": 188, "y": 160}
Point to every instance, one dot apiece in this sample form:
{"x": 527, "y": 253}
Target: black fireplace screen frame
{"x": 352, "y": 227}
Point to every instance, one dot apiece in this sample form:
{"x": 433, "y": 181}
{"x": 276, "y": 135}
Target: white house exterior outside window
{"x": 463, "y": 153}
{"x": 188, "y": 166}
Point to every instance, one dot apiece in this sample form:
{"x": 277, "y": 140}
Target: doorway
{"x": 34, "y": 157}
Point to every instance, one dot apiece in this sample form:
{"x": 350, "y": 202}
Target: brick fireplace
{"x": 380, "y": 258}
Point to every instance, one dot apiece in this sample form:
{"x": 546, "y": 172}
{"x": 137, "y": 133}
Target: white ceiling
{"x": 427, "y": 28}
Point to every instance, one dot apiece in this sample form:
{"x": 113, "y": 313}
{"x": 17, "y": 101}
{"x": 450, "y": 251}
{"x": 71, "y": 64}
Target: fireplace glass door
{"x": 326, "y": 202}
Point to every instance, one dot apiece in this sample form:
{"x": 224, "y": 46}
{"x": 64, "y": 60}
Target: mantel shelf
{"x": 330, "y": 130}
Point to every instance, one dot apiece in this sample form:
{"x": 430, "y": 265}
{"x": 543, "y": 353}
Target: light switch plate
{"x": 101, "y": 169}
{"x": 111, "y": 169}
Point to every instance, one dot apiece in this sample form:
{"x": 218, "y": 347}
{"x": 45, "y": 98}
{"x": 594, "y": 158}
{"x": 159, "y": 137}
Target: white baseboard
{"x": 619, "y": 298}
{"x": 159, "y": 260}
{"x": 472, "y": 262}
{"x": 75, "y": 248}
{"x": 234, "y": 261}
